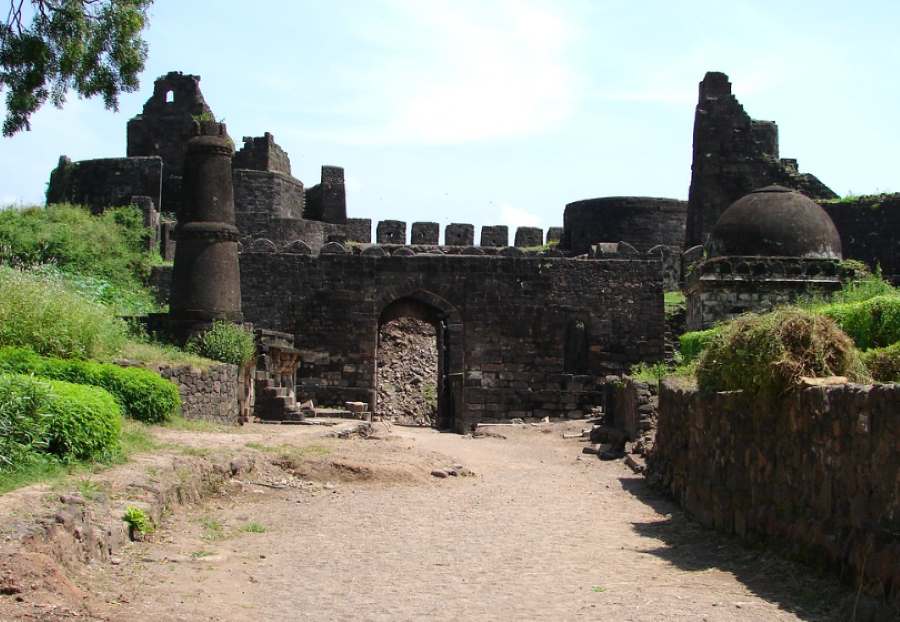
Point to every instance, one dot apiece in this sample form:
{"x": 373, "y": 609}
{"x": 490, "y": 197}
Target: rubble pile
{"x": 407, "y": 372}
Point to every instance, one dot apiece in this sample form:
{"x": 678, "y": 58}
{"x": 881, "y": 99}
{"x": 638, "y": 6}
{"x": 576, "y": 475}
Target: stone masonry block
{"x": 427, "y": 233}
{"x": 459, "y": 234}
{"x": 529, "y": 236}
{"x": 391, "y": 232}
{"x": 497, "y": 235}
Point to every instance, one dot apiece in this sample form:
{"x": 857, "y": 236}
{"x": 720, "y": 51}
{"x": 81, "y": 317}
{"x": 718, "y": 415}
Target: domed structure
{"x": 777, "y": 222}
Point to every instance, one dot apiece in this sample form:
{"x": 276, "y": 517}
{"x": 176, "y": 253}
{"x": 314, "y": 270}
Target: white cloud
{"x": 448, "y": 72}
{"x": 517, "y": 217}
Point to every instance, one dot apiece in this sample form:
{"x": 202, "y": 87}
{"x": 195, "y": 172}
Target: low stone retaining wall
{"x": 629, "y": 405}
{"x": 214, "y": 394}
{"x": 818, "y": 472}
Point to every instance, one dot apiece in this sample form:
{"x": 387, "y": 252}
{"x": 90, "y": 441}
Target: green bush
{"x": 23, "y": 420}
{"x": 691, "y": 345}
{"x": 85, "y": 422}
{"x": 225, "y": 342}
{"x": 872, "y": 323}
{"x": 71, "y": 421}
{"x": 138, "y": 520}
{"x": 109, "y": 245}
{"x": 884, "y": 363}
{"x": 142, "y": 393}
{"x": 767, "y": 354}
{"x": 50, "y": 318}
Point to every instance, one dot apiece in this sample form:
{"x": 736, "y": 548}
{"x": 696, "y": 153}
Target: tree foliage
{"x": 91, "y": 46}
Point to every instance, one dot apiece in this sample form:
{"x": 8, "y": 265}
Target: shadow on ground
{"x": 798, "y": 589}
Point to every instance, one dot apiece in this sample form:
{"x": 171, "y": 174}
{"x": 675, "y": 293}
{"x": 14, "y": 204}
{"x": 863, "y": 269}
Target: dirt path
{"x": 539, "y": 533}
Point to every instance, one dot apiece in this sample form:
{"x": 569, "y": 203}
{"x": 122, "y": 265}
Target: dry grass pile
{"x": 768, "y": 354}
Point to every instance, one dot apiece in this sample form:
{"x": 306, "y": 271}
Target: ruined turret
{"x": 206, "y": 280}
{"x": 165, "y": 126}
{"x": 733, "y": 155}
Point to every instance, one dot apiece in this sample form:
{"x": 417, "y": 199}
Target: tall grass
{"x": 52, "y": 319}
{"x": 109, "y": 245}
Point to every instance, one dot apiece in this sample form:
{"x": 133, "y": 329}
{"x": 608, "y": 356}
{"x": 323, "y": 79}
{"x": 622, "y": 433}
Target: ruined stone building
{"x": 527, "y": 329}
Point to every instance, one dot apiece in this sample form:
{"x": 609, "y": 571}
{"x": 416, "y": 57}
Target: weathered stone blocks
{"x": 496, "y": 235}
{"x": 459, "y": 234}
{"x": 206, "y": 282}
{"x": 390, "y": 232}
{"x": 425, "y": 233}
{"x": 816, "y": 471}
{"x": 529, "y": 237}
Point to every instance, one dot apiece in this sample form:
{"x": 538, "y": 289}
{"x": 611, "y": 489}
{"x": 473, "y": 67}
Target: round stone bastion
{"x": 643, "y": 222}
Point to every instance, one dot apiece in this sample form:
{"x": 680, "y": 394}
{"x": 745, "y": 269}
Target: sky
{"x": 503, "y": 111}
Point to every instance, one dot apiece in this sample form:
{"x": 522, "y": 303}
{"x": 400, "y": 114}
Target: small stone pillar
{"x": 425, "y": 233}
{"x": 459, "y": 234}
{"x": 497, "y": 235}
{"x": 529, "y": 236}
{"x": 206, "y": 282}
{"x": 151, "y": 220}
{"x": 390, "y": 232}
{"x": 554, "y": 234}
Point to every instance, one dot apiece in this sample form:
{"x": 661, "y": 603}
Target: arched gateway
{"x": 520, "y": 336}
{"x": 448, "y": 327}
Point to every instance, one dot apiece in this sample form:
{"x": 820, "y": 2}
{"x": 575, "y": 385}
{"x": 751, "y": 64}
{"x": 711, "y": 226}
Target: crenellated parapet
{"x": 600, "y": 251}
{"x": 463, "y": 235}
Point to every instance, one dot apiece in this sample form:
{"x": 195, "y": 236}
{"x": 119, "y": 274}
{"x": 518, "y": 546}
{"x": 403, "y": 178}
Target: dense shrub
{"x": 692, "y": 344}
{"x": 52, "y": 319}
{"x": 142, "y": 393}
{"x": 767, "y": 354}
{"x": 872, "y": 323}
{"x": 71, "y": 421}
{"x": 884, "y": 363}
{"x": 23, "y": 420}
{"x": 108, "y": 245}
{"x": 225, "y": 342}
{"x": 85, "y": 421}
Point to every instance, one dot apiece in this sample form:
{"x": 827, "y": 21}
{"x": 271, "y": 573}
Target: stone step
{"x": 286, "y": 401}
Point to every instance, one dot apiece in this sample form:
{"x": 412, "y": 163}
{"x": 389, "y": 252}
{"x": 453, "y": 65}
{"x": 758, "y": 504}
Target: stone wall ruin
{"x": 502, "y": 324}
{"x": 816, "y": 472}
{"x": 733, "y": 155}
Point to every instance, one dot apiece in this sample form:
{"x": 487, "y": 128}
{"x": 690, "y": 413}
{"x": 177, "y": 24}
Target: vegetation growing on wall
{"x": 225, "y": 342}
{"x": 767, "y": 354}
{"x": 866, "y": 309}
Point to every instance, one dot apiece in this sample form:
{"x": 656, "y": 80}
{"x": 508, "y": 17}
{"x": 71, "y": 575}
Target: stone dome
{"x": 775, "y": 221}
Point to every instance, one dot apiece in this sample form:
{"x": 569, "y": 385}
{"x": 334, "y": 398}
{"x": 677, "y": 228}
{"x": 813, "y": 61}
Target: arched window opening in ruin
{"x": 414, "y": 368}
{"x": 170, "y": 97}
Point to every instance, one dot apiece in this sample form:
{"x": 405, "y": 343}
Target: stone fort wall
{"x": 817, "y": 472}
{"x": 869, "y": 227}
{"x": 530, "y": 336}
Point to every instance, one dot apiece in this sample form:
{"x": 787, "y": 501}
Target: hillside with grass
{"x": 71, "y": 285}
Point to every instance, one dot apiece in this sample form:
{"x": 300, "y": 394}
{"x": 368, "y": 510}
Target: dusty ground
{"x": 364, "y": 532}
